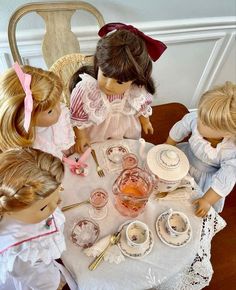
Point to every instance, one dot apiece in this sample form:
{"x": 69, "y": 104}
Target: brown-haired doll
{"x": 111, "y": 100}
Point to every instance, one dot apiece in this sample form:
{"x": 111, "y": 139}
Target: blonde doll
{"x": 31, "y": 225}
{"x": 112, "y": 99}
{"x": 31, "y": 113}
{"x": 211, "y": 149}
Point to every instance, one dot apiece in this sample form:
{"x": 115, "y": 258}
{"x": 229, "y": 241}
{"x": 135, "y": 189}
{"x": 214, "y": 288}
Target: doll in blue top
{"x": 211, "y": 149}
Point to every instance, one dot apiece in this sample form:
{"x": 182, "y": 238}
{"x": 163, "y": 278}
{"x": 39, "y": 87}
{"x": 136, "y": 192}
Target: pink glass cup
{"x": 129, "y": 161}
{"x": 98, "y": 201}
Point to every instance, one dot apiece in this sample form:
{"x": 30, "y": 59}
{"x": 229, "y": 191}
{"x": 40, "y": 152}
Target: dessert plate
{"x": 134, "y": 252}
{"x": 170, "y": 240}
{"x": 115, "y": 153}
{"x": 84, "y": 233}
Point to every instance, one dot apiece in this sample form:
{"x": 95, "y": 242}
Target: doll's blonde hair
{"x": 27, "y": 175}
{"x": 46, "y": 91}
{"x": 217, "y": 108}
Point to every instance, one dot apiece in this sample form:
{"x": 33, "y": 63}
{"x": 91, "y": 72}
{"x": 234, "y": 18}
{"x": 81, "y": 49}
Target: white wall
{"x": 200, "y": 36}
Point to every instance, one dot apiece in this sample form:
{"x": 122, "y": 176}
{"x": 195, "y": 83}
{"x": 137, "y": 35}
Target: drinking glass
{"x": 129, "y": 161}
{"x": 98, "y": 201}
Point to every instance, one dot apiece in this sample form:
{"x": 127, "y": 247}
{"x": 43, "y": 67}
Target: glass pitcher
{"x": 132, "y": 189}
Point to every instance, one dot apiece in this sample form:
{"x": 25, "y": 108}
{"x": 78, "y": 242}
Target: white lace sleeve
{"x": 140, "y": 100}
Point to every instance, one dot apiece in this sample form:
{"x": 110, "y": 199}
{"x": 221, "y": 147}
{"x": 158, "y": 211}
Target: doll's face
{"x": 210, "y": 133}
{"x": 49, "y": 117}
{"x": 111, "y": 86}
{"x": 38, "y": 211}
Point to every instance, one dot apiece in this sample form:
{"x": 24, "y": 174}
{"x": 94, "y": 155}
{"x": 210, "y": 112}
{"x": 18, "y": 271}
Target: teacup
{"x": 137, "y": 234}
{"x": 177, "y": 223}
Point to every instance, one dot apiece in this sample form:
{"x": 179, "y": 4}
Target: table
{"x": 165, "y": 267}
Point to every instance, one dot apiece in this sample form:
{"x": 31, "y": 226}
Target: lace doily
{"x": 198, "y": 274}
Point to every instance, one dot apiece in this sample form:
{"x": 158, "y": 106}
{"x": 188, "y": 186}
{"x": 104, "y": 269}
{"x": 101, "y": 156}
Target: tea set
{"x": 166, "y": 168}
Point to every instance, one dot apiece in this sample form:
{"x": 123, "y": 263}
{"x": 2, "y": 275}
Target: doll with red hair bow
{"x": 112, "y": 98}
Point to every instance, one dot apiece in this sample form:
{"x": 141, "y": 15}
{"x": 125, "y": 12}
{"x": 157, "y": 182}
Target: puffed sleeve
{"x": 38, "y": 276}
{"x": 140, "y": 100}
{"x": 224, "y": 179}
{"x": 184, "y": 127}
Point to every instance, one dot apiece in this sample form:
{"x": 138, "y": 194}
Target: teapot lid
{"x": 167, "y": 162}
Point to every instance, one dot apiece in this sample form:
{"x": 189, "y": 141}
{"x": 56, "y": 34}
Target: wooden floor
{"x": 223, "y": 252}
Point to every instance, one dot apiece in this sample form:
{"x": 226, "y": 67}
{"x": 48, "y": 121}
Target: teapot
{"x": 169, "y": 166}
{"x": 132, "y": 189}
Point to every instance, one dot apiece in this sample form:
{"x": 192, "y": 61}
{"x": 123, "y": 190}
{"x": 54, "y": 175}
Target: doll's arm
{"x": 205, "y": 202}
{"x": 146, "y": 124}
{"x": 170, "y": 141}
{"x": 81, "y": 140}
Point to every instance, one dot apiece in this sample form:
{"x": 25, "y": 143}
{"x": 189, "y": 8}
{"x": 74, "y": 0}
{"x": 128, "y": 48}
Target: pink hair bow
{"x": 155, "y": 47}
{"x": 79, "y": 167}
{"x": 25, "y": 80}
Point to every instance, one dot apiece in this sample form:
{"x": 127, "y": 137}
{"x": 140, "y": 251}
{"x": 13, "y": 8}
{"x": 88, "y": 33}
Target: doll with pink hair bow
{"x": 31, "y": 114}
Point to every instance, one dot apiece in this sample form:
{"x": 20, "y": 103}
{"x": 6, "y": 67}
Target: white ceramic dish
{"x": 115, "y": 153}
{"x": 166, "y": 238}
{"x": 84, "y": 233}
{"x": 134, "y": 252}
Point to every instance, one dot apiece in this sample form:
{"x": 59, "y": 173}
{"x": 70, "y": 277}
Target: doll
{"x": 112, "y": 99}
{"x": 31, "y": 224}
{"x": 211, "y": 149}
{"x": 31, "y": 114}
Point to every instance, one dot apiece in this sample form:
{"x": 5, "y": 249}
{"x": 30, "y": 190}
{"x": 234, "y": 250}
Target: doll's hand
{"x": 203, "y": 207}
{"x": 147, "y": 127}
{"x": 81, "y": 144}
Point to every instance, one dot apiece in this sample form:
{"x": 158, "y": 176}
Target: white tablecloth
{"x": 186, "y": 267}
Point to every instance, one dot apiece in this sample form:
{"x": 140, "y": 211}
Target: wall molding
{"x": 220, "y": 30}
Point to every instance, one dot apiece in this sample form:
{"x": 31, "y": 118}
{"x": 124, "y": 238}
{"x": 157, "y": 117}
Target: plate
{"x": 84, "y": 233}
{"x": 132, "y": 252}
{"x": 165, "y": 237}
{"x": 116, "y": 153}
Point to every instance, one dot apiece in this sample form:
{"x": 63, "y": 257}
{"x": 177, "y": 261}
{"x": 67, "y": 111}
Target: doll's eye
{"x": 119, "y": 82}
{"x": 43, "y": 207}
{"x": 49, "y": 112}
{"x": 105, "y": 76}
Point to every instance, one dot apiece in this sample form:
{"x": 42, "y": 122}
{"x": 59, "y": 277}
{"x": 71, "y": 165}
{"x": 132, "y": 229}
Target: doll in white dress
{"x": 31, "y": 114}
{"x": 31, "y": 224}
{"x": 112, "y": 99}
{"x": 211, "y": 149}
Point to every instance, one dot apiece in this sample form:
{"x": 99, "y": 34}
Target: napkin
{"x": 112, "y": 255}
{"x": 177, "y": 194}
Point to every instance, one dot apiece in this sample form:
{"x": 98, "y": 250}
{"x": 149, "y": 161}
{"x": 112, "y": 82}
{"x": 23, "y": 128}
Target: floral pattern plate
{"x": 115, "y": 153}
{"x": 132, "y": 252}
{"x": 84, "y": 233}
{"x": 166, "y": 238}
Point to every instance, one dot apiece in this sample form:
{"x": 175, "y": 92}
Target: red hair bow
{"x": 155, "y": 47}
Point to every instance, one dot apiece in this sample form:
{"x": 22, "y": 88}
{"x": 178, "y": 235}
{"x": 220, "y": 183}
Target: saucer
{"x": 84, "y": 233}
{"x": 166, "y": 238}
{"x": 132, "y": 252}
{"x": 115, "y": 153}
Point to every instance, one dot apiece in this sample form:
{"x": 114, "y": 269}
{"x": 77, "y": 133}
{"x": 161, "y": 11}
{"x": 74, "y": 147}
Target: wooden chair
{"x": 66, "y": 66}
{"x": 162, "y": 119}
{"x": 59, "y": 40}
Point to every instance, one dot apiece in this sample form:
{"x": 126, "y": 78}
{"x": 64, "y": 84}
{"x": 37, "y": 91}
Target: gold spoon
{"x": 114, "y": 239}
{"x": 65, "y": 208}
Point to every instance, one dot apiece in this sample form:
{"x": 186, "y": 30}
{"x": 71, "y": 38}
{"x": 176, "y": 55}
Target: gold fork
{"x": 99, "y": 169}
{"x": 114, "y": 239}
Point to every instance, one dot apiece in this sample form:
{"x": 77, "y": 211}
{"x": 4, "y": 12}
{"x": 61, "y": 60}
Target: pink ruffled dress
{"x": 56, "y": 138}
{"x": 108, "y": 117}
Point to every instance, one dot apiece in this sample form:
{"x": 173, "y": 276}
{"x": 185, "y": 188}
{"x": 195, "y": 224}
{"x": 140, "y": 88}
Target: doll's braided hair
{"x": 27, "y": 175}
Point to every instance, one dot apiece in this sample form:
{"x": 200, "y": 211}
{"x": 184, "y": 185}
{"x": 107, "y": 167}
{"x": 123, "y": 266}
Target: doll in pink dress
{"x": 31, "y": 224}
{"x": 31, "y": 114}
{"x": 112, "y": 99}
